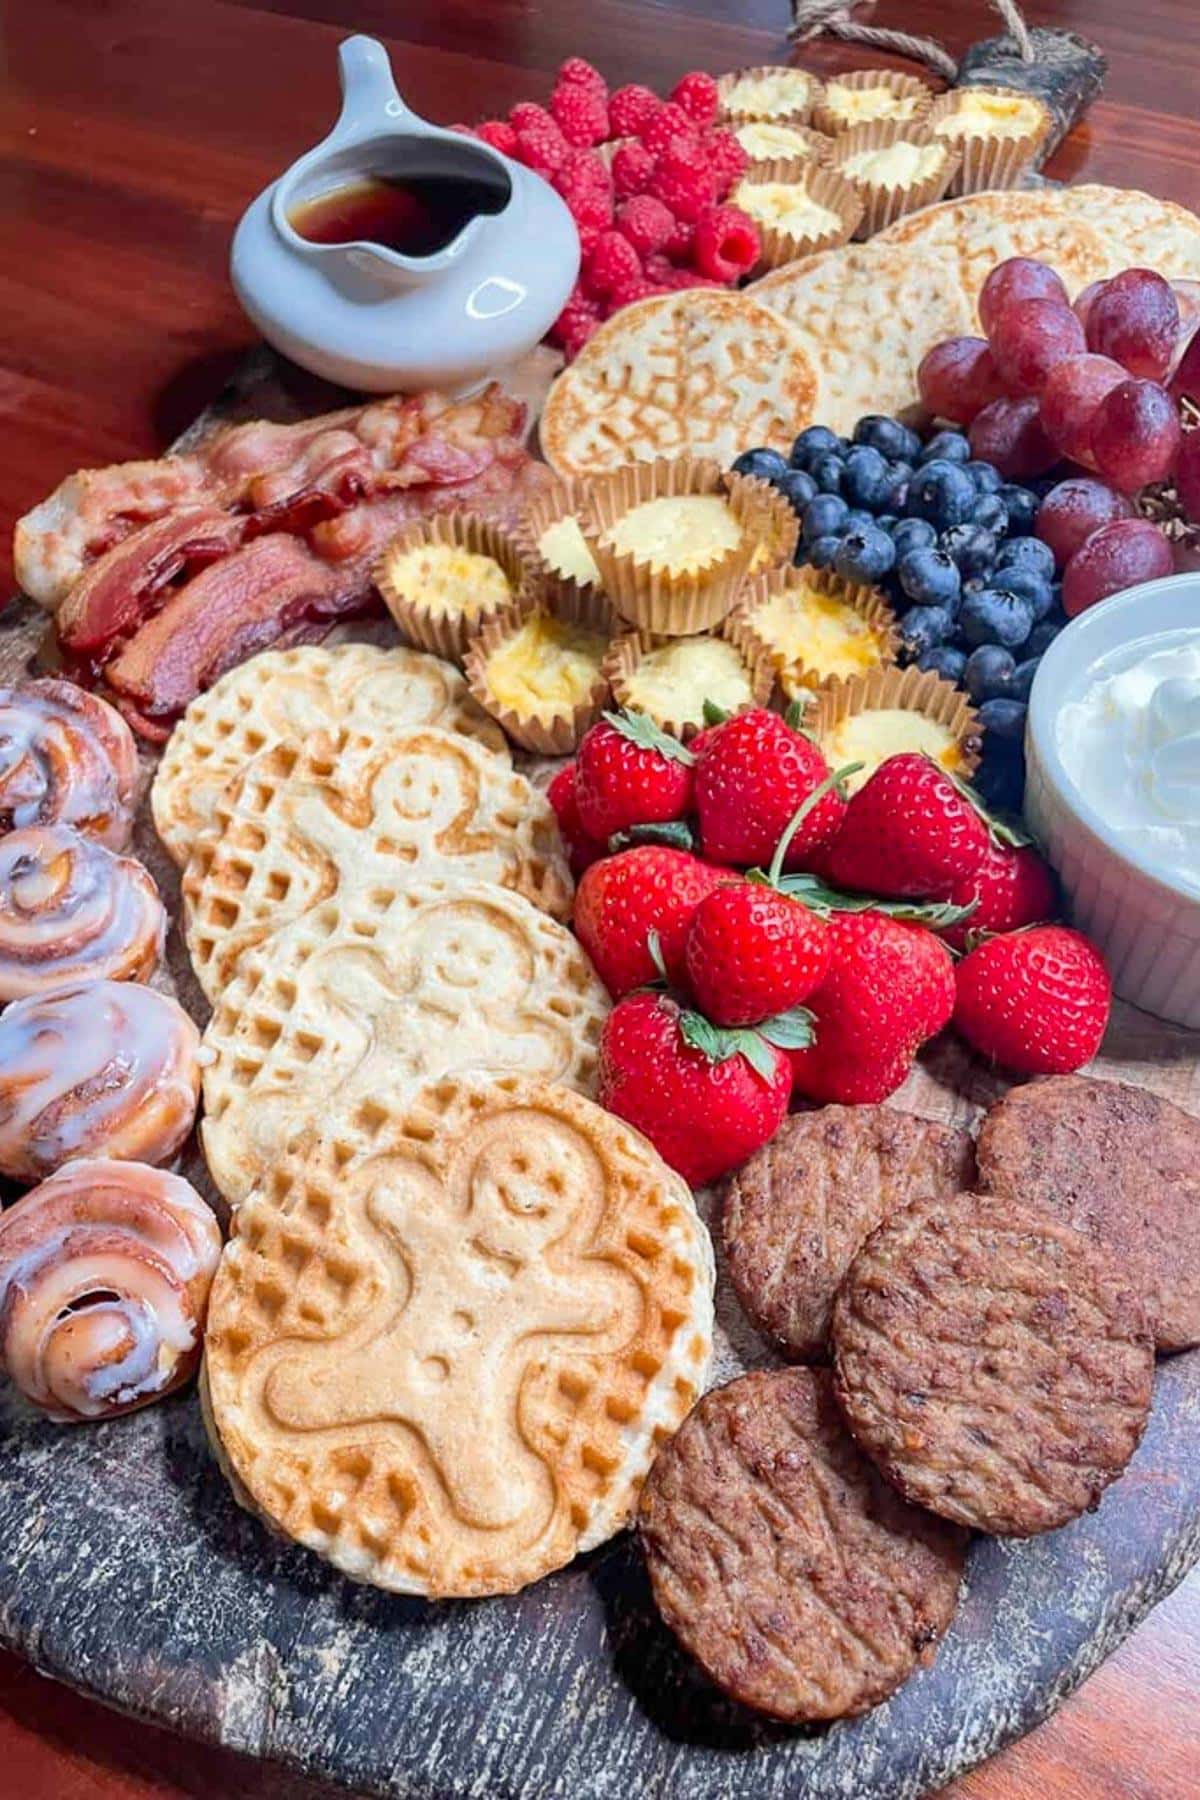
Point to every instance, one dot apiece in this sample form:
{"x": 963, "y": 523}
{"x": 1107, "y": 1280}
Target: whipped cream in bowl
{"x": 1113, "y": 786}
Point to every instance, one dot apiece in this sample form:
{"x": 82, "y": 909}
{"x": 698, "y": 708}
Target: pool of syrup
{"x": 415, "y": 216}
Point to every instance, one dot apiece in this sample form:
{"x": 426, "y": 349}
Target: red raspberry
{"x": 611, "y": 262}
{"x": 646, "y": 222}
{"x": 697, "y": 95}
{"x": 580, "y": 309}
{"x": 726, "y": 245}
{"x": 667, "y": 124}
{"x": 585, "y": 186}
{"x": 499, "y": 134}
{"x": 576, "y": 72}
{"x": 630, "y": 110}
{"x": 629, "y": 291}
{"x": 580, "y": 115}
{"x": 683, "y": 181}
{"x": 541, "y": 146}
{"x": 679, "y": 245}
{"x": 688, "y": 278}
{"x": 584, "y": 169}
{"x": 632, "y": 170}
{"x": 577, "y": 336}
{"x": 727, "y": 159}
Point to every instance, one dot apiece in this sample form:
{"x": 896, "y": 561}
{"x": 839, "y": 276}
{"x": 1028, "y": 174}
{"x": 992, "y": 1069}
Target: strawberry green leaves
{"x": 641, "y": 730}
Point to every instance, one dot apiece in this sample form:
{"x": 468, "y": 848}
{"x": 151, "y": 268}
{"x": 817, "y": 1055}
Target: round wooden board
{"x": 128, "y": 1570}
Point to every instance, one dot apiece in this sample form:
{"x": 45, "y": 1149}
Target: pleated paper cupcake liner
{"x": 885, "y": 202}
{"x": 737, "y": 109}
{"x": 908, "y": 91}
{"x": 824, "y": 185}
{"x": 565, "y": 499}
{"x": 902, "y": 690}
{"x": 794, "y": 678}
{"x": 446, "y": 634}
{"x": 990, "y": 160}
{"x": 627, "y": 653}
{"x": 546, "y": 733}
{"x": 812, "y": 147}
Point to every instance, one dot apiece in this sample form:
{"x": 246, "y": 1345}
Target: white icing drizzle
{"x": 71, "y": 908}
{"x": 66, "y": 757}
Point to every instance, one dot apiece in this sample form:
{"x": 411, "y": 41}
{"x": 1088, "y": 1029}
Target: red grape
{"x": 1073, "y": 510}
{"x": 1117, "y": 556}
{"x": 1185, "y": 382}
{"x": 1069, "y": 399}
{"x": 1187, "y": 476}
{"x": 1020, "y": 278}
{"x": 958, "y": 378}
{"x": 1009, "y": 434}
{"x": 1136, "y": 322}
{"x": 1084, "y": 300}
{"x": 1030, "y": 339}
{"x": 1187, "y": 298}
{"x": 1135, "y": 434}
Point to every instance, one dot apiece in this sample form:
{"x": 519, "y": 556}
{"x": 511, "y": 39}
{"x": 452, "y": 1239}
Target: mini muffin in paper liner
{"x": 990, "y": 159}
{"x": 903, "y": 98}
{"x": 564, "y": 499}
{"x": 553, "y": 731}
{"x": 956, "y": 742}
{"x": 677, "y": 602}
{"x": 823, "y": 185}
{"x": 798, "y": 143}
{"x": 886, "y": 201}
{"x": 683, "y": 719}
{"x": 795, "y": 678}
{"x": 774, "y": 91}
{"x": 447, "y": 633}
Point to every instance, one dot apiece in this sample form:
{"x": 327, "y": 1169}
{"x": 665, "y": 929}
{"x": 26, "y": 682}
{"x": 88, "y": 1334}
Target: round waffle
{"x": 699, "y": 373}
{"x": 287, "y": 695}
{"x": 354, "y": 813}
{"x": 448, "y": 1337}
{"x": 380, "y": 995}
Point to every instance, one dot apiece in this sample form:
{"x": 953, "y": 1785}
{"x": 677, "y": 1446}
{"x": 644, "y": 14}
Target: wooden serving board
{"x": 128, "y": 1570}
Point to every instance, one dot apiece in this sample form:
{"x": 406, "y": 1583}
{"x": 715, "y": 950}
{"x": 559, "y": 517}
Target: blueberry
{"x": 888, "y": 436}
{"x": 989, "y": 672}
{"x": 823, "y": 516}
{"x": 1004, "y": 718}
{"x": 858, "y": 520}
{"x": 991, "y": 512}
{"x": 941, "y": 492}
{"x": 887, "y": 522}
{"x": 912, "y": 534}
{"x": 971, "y": 546}
{"x": 925, "y": 627}
{"x": 816, "y": 441}
{"x": 899, "y": 480}
{"x": 1000, "y": 783}
{"x": 1021, "y": 504}
{"x": 987, "y": 479}
{"x": 1022, "y": 680}
{"x": 945, "y": 659}
{"x": 1028, "y": 586}
{"x": 948, "y": 446}
{"x": 1043, "y": 635}
{"x": 1027, "y": 553}
{"x": 797, "y": 488}
{"x": 994, "y": 617}
{"x": 822, "y": 550}
{"x": 867, "y": 478}
{"x": 765, "y": 465}
{"x": 929, "y": 577}
{"x": 827, "y": 471}
{"x": 865, "y": 556}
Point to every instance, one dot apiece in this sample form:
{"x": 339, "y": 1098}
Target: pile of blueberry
{"x": 950, "y": 542}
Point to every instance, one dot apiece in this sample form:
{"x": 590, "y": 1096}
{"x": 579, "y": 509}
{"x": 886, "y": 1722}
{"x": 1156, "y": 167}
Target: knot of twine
{"x": 811, "y": 18}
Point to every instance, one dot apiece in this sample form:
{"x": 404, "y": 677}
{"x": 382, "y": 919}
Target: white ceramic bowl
{"x": 1147, "y": 928}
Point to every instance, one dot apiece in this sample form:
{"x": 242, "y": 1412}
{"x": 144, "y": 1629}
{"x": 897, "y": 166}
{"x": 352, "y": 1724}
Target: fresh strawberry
{"x": 1011, "y": 887}
{"x": 1036, "y": 1001}
{"x": 752, "y": 775}
{"x": 582, "y": 851}
{"x": 621, "y": 900}
{"x": 706, "y": 1099}
{"x": 752, "y": 953}
{"x": 890, "y": 986}
{"x": 909, "y": 830}
{"x": 630, "y": 773}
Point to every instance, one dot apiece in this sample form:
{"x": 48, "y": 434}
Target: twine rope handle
{"x": 812, "y": 18}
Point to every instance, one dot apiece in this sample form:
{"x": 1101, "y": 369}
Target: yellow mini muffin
{"x": 812, "y": 634}
{"x": 540, "y": 675}
{"x": 983, "y": 112}
{"x": 899, "y": 164}
{"x": 786, "y": 206}
{"x": 441, "y": 578}
{"x": 768, "y": 93}
{"x": 446, "y": 579}
{"x": 563, "y": 549}
{"x": 764, "y": 141}
{"x": 672, "y": 681}
{"x": 799, "y": 206}
{"x": 998, "y": 132}
{"x": 679, "y": 533}
{"x": 891, "y": 712}
{"x": 871, "y": 737}
{"x": 857, "y": 105}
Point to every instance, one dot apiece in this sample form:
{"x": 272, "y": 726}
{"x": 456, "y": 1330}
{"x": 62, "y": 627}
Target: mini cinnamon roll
{"x": 104, "y": 1277}
{"x": 70, "y": 909}
{"x": 66, "y": 757}
{"x": 105, "y": 1068}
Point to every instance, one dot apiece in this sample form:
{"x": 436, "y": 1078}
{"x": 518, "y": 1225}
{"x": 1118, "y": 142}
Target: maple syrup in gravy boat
{"x": 398, "y": 255}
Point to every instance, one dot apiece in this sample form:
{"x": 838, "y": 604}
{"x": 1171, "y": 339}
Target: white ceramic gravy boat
{"x": 369, "y": 317}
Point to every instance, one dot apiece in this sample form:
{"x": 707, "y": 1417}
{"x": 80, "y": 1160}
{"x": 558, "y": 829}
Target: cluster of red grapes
{"x": 1098, "y": 384}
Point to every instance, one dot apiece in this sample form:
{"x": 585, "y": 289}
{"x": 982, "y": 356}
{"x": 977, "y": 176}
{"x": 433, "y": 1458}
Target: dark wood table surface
{"x": 132, "y": 134}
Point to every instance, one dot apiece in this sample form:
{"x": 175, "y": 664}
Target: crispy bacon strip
{"x": 117, "y": 591}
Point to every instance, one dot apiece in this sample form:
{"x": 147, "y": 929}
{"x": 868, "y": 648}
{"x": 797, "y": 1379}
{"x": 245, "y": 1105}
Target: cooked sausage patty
{"x": 1122, "y": 1166}
{"x": 802, "y": 1584}
{"x": 798, "y": 1211}
{"x": 994, "y": 1363}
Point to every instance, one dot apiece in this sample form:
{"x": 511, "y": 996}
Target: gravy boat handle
{"x": 370, "y": 101}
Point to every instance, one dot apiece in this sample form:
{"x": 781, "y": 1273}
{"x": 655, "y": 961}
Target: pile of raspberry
{"x": 650, "y": 215}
